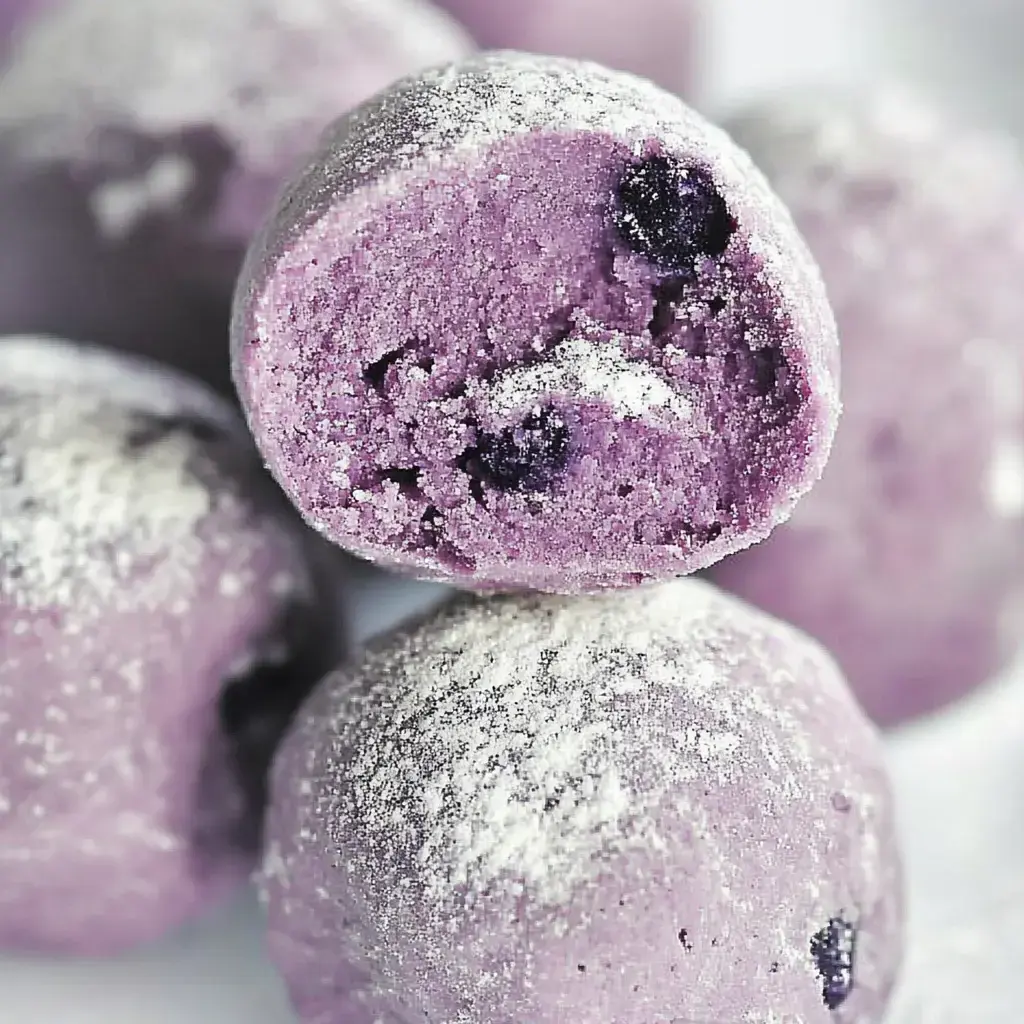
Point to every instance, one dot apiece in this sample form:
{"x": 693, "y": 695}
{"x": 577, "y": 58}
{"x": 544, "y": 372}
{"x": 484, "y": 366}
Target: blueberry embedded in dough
{"x": 525, "y": 457}
{"x": 834, "y": 951}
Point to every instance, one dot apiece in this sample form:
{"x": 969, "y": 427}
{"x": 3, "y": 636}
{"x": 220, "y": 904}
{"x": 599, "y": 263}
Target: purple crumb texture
{"x": 655, "y": 805}
{"x": 907, "y": 559}
{"x": 156, "y": 607}
{"x": 143, "y": 142}
{"x": 524, "y": 322}
{"x": 657, "y": 39}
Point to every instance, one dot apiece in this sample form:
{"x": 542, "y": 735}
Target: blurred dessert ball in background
{"x": 907, "y": 559}
{"x": 142, "y": 141}
{"x": 160, "y": 619}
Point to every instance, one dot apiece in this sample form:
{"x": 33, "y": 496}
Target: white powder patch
{"x": 530, "y": 740}
{"x": 87, "y": 521}
{"x": 581, "y": 368}
{"x": 119, "y": 206}
{"x": 1006, "y": 478}
{"x": 75, "y": 511}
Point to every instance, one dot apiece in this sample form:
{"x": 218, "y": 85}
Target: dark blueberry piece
{"x": 149, "y": 430}
{"x": 833, "y": 950}
{"x": 671, "y": 214}
{"x": 526, "y": 457}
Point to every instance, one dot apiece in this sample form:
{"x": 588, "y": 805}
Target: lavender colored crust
{"x": 156, "y": 633}
{"x": 653, "y": 38}
{"x": 524, "y": 322}
{"x": 652, "y": 806}
{"x": 907, "y": 560}
{"x": 142, "y": 142}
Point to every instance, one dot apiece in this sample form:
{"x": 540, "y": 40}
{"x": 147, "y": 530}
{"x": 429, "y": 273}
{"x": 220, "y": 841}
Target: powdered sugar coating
{"x": 657, "y": 39}
{"x": 642, "y": 806}
{"x": 367, "y": 386}
{"x": 150, "y": 137}
{"x": 154, "y": 605}
{"x": 907, "y": 559}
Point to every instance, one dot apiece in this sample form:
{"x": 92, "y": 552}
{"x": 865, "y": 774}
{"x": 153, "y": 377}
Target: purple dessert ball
{"x": 657, "y": 805}
{"x": 653, "y": 38}
{"x": 907, "y": 559}
{"x": 157, "y": 629}
{"x": 525, "y": 322}
{"x": 13, "y": 13}
{"x": 142, "y": 141}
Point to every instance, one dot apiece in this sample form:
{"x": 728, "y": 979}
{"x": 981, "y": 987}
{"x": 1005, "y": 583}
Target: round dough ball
{"x": 143, "y": 141}
{"x": 157, "y": 629}
{"x": 907, "y": 559}
{"x": 524, "y": 322}
{"x": 656, "y": 805}
{"x": 653, "y": 38}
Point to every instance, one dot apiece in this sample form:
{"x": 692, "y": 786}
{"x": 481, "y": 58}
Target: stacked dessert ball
{"x": 528, "y": 326}
{"x": 535, "y": 808}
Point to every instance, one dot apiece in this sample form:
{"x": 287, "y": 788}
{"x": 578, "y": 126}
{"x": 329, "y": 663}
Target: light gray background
{"x": 959, "y": 777}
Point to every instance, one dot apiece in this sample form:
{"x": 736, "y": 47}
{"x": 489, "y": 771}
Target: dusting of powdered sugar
{"x": 267, "y": 76}
{"x": 253, "y": 68}
{"x": 585, "y": 369}
{"x": 515, "y": 744}
{"x": 85, "y": 522}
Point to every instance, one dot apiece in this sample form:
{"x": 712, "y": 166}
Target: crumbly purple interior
{"x": 496, "y": 379}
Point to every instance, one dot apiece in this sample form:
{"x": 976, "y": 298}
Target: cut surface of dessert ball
{"x": 907, "y": 559}
{"x": 524, "y": 322}
{"x": 143, "y": 141}
{"x": 660, "y": 805}
{"x": 158, "y": 625}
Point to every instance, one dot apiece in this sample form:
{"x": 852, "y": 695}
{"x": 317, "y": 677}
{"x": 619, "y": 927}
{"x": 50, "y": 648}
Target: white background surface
{"x": 959, "y": 777}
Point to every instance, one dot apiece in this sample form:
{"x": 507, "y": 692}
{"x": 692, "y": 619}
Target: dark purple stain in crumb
{"x": 526, "y": 457}
{"x": 833, "y": 950}
{"x": 671, "y": 214}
